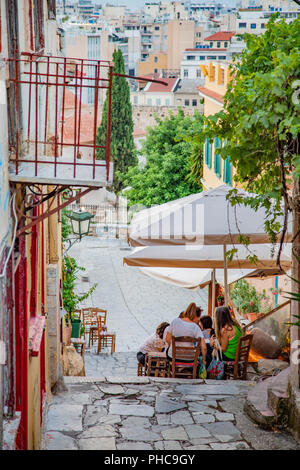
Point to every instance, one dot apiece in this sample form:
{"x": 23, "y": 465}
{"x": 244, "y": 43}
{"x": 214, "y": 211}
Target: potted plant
{"x": 220, "y": 300}
{"x": 72, "y": 300}
{"x": 247, "y": 299}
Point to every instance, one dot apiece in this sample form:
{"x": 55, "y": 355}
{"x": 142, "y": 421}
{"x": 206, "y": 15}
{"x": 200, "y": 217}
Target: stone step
{"x": 267, "y": 402}
{"x": 256, "y": 405}
{"x": 278, "y": 397}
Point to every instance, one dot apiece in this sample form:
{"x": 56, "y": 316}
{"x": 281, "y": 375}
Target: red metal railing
{"x": 44, "y": 85}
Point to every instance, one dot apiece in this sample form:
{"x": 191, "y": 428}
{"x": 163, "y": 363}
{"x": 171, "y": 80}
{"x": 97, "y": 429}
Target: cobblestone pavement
{"x": 105, "y": 364}
{"x": 111, "y": 408}
{"x": 142, "y": 413}
{"x": 136, "y": 303}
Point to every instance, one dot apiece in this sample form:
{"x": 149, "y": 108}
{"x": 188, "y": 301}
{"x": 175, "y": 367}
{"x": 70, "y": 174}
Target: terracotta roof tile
{"x": 71, "y": 99}
{"x": 86, "y": 128}
{"x": 159, "y": 88}
{"x": 211, "y": 94}
{"x": 220, "y": 36}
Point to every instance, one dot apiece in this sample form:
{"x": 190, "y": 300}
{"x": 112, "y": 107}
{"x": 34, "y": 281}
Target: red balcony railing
{"x": 56, "y": 136}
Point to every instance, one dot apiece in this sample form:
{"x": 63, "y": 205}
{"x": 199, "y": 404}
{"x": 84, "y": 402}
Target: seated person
{"x": 155, "y": 342}
{"x": 181, "y": 315}
{"x": 228, "y": 332}
{"x": 205, "y": 324}
{"x": 188, "y": 325}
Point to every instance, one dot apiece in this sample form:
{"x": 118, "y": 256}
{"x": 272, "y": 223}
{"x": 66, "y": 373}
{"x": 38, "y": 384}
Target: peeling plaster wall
{"x": 53, "y": 320}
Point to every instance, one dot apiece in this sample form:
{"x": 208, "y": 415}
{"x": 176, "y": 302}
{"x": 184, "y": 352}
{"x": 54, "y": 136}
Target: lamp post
{"x": 80, "y": 222}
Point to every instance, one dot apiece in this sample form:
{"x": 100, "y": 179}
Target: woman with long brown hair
{"x": 228, "y": 331}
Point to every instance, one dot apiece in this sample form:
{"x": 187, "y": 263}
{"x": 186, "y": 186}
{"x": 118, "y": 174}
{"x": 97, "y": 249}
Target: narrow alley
{"x": 111, "y": 408}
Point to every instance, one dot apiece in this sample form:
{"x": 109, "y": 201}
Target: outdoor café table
{"x": 156, "y": 364}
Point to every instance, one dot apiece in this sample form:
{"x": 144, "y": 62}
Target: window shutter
{"x": 208, "y": 153}
{"x": 227, "y": 177}
{"x": 217, "y": 159}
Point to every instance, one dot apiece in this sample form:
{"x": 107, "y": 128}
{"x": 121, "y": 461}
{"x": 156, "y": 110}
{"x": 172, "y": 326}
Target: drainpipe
{"x": 276, "y": 290}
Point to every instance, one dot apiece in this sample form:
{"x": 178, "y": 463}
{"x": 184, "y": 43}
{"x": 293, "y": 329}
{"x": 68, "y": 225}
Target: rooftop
{"x": 71, "y": 100}
{"x": 211, "y": 94}
{"x": 206, "y": 49}
{"x": 220, "y": 36}
{"x": 189, "y": 85}
{"x": 86, "y": 128}
{"x": 159, "y": 88}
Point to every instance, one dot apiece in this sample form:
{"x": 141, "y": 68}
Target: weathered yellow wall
{"x": 211, "y": 107}
{"x": 34, "y": 402}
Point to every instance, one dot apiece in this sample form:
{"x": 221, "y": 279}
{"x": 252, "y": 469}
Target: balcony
{"x": 54, "y": 116}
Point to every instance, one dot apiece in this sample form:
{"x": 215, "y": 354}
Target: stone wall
{"x": 144, "y": 116}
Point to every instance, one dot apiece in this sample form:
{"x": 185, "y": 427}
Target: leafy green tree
{"x": 260, "y": 129}
{"x": 123, "y": 151}
{"x": 71, "y": 299}
{"x": 259, "y": 124}
{"x": 169, "y": 151}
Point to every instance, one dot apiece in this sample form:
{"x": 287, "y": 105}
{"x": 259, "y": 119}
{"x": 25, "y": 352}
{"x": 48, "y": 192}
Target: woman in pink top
{"x": 155, "y": 342}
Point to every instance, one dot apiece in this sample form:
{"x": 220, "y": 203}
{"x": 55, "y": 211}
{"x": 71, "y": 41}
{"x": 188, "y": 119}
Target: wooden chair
{"x": 89, "y": 319}
{"x": 184, "y": 358}
{"x": 105, "y": 339}
{"x": 237, "y": 369}
{"x": 156, "y": 364}
{"x": 141, "y": 369}
{"x": 100, "y": 312}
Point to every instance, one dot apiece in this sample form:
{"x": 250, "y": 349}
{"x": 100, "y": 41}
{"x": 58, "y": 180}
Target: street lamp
{"x": 80, "y": 223}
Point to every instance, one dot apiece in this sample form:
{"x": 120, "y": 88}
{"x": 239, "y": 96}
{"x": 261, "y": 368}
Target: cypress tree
{"x": 123, "y": 151}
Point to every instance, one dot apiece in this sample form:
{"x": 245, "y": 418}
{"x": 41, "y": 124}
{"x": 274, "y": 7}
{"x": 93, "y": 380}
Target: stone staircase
{"x": 267, "y": 402}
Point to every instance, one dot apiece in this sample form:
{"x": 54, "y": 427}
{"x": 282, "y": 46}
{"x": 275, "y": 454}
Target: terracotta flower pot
{"x": 252, "y": 316}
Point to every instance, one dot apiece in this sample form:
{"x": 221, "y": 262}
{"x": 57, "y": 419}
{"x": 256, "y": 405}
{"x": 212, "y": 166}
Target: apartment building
{"x": 166, "y": 10}
{"x": 181, "y": 35}
{"x": 156, "y": 94}
{"x": 187, "y": 94}
{"x": 195, "y": 57}
{"x": 114, "y": 11}
{"x": 219, "y": 40}
{"x": 254, "y": 20}
{"x": 279, "y": 5}
{"x": 156, "y": 63}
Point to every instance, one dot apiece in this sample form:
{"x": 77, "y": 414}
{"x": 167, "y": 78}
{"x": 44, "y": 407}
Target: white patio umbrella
{"x": 206, "y": 218}
{"x": 207, "y": 257}
{"x": 189, "y": 278}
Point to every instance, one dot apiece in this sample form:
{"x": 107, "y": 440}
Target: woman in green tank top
{"x": 228, "y": 331}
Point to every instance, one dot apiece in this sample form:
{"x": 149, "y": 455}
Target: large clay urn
{"x": 264, "y": 345}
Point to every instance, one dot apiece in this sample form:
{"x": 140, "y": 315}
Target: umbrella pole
{"x": 213, "y": 296}
{"x": 225, "y": 278}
